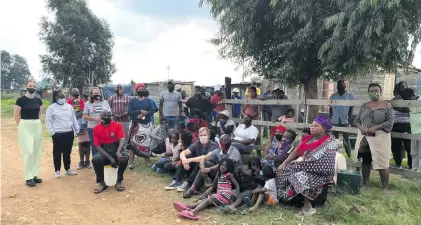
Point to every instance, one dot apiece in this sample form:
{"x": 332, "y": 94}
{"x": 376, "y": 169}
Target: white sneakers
{"x": 67, "y": 173}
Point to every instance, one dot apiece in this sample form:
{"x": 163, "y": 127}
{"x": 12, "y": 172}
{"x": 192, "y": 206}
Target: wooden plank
{"x": 264, "y": 102}
{"x": 335, "y": 102}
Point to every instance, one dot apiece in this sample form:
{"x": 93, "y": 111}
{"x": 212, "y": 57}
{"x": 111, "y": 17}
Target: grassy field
{"x": 370, "y": 207}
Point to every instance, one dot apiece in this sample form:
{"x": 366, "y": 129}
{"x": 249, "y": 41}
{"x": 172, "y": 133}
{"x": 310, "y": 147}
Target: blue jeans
{"x": 91, "y": 136}
{"x": 172, "y": 121}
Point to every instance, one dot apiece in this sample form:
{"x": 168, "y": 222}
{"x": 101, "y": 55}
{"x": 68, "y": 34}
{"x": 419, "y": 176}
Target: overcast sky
{"x": 149, "y": 36}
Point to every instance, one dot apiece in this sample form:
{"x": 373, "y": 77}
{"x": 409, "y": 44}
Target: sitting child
{"x": 282, "y": 152}
{"x": 185, "y": 141}
{"x": 223, "y": 184}
{"x": 268, "y": 194}
{"x": 289, "y": 117}
{"x": 173, "y": 148}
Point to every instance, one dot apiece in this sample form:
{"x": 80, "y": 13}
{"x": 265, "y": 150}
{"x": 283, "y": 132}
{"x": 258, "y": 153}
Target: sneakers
{"x": 174, "y": 185}
{"x": 57, "y": 174}
{"x": 81, "y": 165}
{"x": 70, "y": 173}
{"x": 30, "y": 183}
{"x": 154, "y": 168}
{"x": 185, "y": 186}
{"x": 88, "y": 164}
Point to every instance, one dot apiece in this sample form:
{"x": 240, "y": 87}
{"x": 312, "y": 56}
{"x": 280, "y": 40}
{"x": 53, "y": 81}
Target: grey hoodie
{"x": 61, "y": 119}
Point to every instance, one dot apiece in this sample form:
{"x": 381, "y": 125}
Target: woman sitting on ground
{"x": 309, "y": 167}
{"x": 272, "y": 147}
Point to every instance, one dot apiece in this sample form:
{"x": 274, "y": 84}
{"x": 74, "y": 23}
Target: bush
{"x": 8, "y": 104}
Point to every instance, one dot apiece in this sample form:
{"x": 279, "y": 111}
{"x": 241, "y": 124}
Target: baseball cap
{"x": 217, "y": 87}
{"x": 236, "y": 90}
{"x": 177, "y": 87}
{"x": 170, "y": 81}
{"x": 225, "y": 113}
{"x": 276, "y": 87}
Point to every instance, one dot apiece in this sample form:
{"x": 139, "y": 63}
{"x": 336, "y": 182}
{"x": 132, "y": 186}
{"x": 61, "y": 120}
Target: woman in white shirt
{"x": 245, "y": 135}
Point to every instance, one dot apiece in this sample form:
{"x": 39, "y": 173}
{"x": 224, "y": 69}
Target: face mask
{"x": 341, "y": 90}
{"x": 106, "y": 121}
{"x": 171, "y": 88}
{"x": 278, "y": 137}
{"x": 61, "y": 101}
{"x": 374, "y": 96}
{"x": 141, "y": 93}
{"x": 247, "y": 122}
{"x": 75, "y": 96}
{"x": 96, "y": 97}
{"x": 204, "y": 139}
{"x": 31, "y": 90}
{"x": 225, "y": 146}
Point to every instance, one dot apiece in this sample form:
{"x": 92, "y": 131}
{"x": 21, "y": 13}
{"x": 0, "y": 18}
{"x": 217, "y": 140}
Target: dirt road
{"x": 69, "y": 200}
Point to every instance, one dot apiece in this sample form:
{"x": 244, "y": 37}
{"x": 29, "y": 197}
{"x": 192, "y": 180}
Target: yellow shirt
{"x": 257, "y": 92}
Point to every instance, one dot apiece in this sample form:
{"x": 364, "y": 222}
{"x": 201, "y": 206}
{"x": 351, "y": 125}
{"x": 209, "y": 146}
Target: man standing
{"x": 278, "y": 110}
{"x": 170, "y": 105}
{"x": 118, "y": 104}
{"x": 109, "y": 142}
{"x": 267, "y": 110}
{"x": 341, "y": 115}
{"x": 236, "y": 108}
{"x": 217, "y": 98}
{"x": 199, "y": 102}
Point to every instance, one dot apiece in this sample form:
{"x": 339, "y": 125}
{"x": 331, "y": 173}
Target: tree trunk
{"x": 310, "y": 92}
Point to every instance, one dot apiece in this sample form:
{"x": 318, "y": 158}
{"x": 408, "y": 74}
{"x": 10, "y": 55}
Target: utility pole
{"x": 168, "y": 70}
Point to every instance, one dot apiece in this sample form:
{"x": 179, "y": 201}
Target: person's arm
{"x": 387, "y": 125}
{"x": 161, "y": 105}
{"x": 243, "y": 110}
{"x": 183, "y": 155}
{"x": 110, "y": 101}
{"x": 98, "y": 147}
{"x": 49, "y": 121}
{"x": 259, "y": 190}
{"x": 76, "y": 126}
{"x": 267, "y": 147}
{"x": 82, "y": 105}
{"x": 292, "y": 156}
{"x": 180, "y": 107}
{"x": 131, "y": 109}
{"x": 231, "y": 178}
{"x": 120, "y": 135}
{"x": 16, "y": 114}
{"x": 40, "y": 109}
{"x": 358, "y": 119}
{"x": 351, "y": 109}
{"x": 210, "y": 189}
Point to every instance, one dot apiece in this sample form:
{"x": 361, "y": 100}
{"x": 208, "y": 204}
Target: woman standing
{"x": 373, "y": 145}
{"x": 27, "y": 112}
{"x": 91, "y": 113}
{"x": 62, "y": 125}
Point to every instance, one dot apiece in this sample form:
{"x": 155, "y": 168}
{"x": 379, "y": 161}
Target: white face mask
{"x": 61, "y": 101}
{"x": 204, "y": 139}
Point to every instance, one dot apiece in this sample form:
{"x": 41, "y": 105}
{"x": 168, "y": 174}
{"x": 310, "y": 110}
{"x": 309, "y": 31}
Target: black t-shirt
{"x": 30, "y": 107}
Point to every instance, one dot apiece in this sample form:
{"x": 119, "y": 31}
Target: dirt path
{"x": 69, "y": 200}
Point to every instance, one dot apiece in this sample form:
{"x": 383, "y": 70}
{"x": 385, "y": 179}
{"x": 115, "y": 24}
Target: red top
{"x": 304, "y": 147}
{"x": 216, "y": 100}
{"x": 75, "y": 102}
{"x": 108, "y": 134}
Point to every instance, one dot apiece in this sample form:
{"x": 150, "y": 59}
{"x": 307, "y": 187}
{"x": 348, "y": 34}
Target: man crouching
{"x": 109, "y": 142}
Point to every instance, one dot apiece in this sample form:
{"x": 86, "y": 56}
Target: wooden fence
{"x": 321, "y": 102}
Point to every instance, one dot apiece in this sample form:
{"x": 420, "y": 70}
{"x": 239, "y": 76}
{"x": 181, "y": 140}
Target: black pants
{"x": 397, "y": 144}
{"x": 191, "y": 173}
{"x": 99, "y": 161}
{"x": 199, "y": 180}
{"x": 62, "y": 145}
{"x": 346, "y": 142}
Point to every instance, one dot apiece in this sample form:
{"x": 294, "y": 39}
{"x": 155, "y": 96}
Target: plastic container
{"x": 110, "y": 175}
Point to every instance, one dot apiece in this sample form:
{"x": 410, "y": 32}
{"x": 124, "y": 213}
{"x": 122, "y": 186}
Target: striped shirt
{"x": 119, "y": 106}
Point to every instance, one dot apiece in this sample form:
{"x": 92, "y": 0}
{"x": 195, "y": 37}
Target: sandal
{"x": 119, "y": 187}
{"x": 180, "y": 207}
{"x": 186, "y": 214}
{"x": 308, "y": 213}
{"x": 101, "y": 189}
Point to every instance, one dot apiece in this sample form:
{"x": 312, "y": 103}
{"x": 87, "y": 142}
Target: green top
{"x": 415, "y": 118}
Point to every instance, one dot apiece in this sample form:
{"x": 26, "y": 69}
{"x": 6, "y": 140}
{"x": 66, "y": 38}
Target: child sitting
{"x": 185, "y": 141}
{"x": 289, "y": 117}
{"x": 173, "y": 148}
{"x": 267, "y": 194}
{"x": 223, "y": 184}
{"x": 282, "y": 151}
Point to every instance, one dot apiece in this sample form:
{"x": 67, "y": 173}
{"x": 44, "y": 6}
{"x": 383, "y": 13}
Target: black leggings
{"x": 62, "y": 145}
{"x": 397, "y": 144}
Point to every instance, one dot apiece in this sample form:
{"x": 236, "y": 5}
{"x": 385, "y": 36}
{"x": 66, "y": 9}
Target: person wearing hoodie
{"x": 63, "y": 126}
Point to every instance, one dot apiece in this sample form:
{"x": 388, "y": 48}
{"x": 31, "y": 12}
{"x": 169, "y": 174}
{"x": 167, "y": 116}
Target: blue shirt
{"x": 236, "y": 108}
{"x": 155, "y": 106}
{"x": 267, "y": 108}
{"x": 339, "y": 112}
{"x": 135, "y": 106}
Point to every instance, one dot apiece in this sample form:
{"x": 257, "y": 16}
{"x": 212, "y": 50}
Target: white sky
{"x": 144, "y": 46}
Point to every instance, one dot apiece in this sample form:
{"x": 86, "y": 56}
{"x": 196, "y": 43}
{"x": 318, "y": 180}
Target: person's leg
{"x": 91, "y": 136}
{"x": 68, "y": 139}
{"x": 26, "y": 140}
{"x": 407, "y": 145}
{"x": 198, "y": 181}
{"x": 259, "y": 201}
{"x": 307, "y": 205}
{"x": 57, "y": 151}
{"x": 265, "y": 128}
{"x": 366, "y": 167}
{"x": 384, "y": 177}
{"x": 202, "y": 205}
{"x": 243, "y": 149}
{"x": 99, "y": 162}
{"x": 240, "y": 199}
{"x": 81, "y": 146}
{"x": 168, "y": 167}
{"x": 397, "y": 151}
{"x": 87, "y": 154}
{"x": 347, "y": 143}
{"x": 336, "y": 133}
{"x": 120, "y": 172}
{"x": 37, "y": 130}
{"x": 194, "y": 170}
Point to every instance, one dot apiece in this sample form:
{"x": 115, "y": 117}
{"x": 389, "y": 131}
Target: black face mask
{"x": 247, "y": 122}
{"x": 76, "y": 96}
{"x": 31, "y": 90}
{"x": 106, "y": 121}
{"x": 142, "y": 93}
{"x": 96, "y": 97}
{"x": 171, "y": 88}
{"x": 278, "y": 137}
{"x": 341, "y": 90}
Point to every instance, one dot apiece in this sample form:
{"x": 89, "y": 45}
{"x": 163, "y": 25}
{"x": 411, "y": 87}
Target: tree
{"x": 14, "y": 71}
{"x": 299, "y": 41}
{"x": 78, "y": 44}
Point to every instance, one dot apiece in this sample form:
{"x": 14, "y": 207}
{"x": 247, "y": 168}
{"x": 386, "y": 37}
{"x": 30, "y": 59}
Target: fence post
{"x": 228, "y": 107}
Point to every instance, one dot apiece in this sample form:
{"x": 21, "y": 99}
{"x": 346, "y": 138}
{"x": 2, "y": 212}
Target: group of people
{"x": 214, "y": 157}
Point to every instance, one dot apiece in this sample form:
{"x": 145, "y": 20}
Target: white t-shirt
{"x": 271, "y": 190}
{"x": 242, "y": 133}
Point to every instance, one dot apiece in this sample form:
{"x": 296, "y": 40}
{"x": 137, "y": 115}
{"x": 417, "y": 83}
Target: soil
{"x": 70, "y": 200}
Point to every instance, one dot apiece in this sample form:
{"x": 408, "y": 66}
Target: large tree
{"x": 78, "y": 44}
{"x": 14, "y": 70}
{"x": 299, "y": 41}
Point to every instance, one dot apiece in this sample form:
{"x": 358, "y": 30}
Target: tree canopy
{"x": 78, "y": 43}
{"x": 14, "y": 70}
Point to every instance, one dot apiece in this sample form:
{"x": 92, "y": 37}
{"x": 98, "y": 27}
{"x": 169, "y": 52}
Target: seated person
{"x": 282, "y": 150}
{"x": 209, "y": 165}
{"x": 314, "y": 161}
{"x": 289, "y": 117}
{"x": 158, "y": 136}
{"x": 109, "y": 142}
{"x": 192, "y": 128}
{"x": 173, "y": 148}
{"x": 273, "y": 145}
{"x": 198, "y": 117}
{"x": 185, "y": 141}
{"x": 225, "y": 187}
{"x": 245, "y": 135}
{"x": 267, "y": 194}
{"x": 225, "y": 125}
{"x": 190, "y": 159}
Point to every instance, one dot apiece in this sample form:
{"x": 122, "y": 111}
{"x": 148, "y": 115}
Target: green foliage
{"x": 78, "y": 43}
{"x": 8, "y": 103}
{"x": 14, "y": 70}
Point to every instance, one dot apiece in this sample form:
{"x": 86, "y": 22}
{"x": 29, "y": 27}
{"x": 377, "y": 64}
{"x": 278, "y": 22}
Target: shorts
{"x": 271, "y": 201}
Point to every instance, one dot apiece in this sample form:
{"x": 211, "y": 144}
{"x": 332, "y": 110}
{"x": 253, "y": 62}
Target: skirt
{"x": 380, "y": 148}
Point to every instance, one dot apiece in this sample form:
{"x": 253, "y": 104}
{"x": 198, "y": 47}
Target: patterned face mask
{"x": 374, "y": 96}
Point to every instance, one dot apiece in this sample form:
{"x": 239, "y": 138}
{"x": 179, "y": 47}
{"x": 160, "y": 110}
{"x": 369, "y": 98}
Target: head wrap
{"x": 281, "y": 128}
{"x": 139, "y": 85}
{"x": 324, "y": 121}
